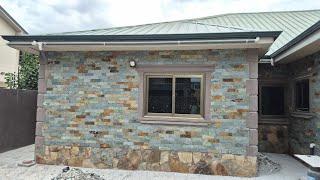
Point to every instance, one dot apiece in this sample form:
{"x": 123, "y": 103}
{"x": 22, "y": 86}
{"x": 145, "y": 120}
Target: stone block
{"x": 41, "y": 114}
{"x": 39, "y": 141}
{"x": 252, "y": 55}
{"x": 176, "y": 165}
{"x": 40, "y": 100}
{"x": 42, "y": 71}
{"x": 253, "y": 70}
{"x": 39, "y": 126}
{"x": 185, "y": 157}
{"x": 252, "y": 151}
{"x": 252, "y": 120}
{"x": 253, "y": 103}
{"x": 252, "y": 87}
{"x": 164, "y": 157}
{"x": 253, "y": 137}
{"x": 196, "y": 157}
{"x": 42, "y": 87}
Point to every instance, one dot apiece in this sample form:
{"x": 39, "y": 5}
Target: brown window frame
{"x": 173, "y": 76}
{"x": 184, "y": 70}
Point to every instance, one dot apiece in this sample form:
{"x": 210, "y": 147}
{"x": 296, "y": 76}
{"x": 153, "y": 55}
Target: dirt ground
{"x": 291, "y": 169}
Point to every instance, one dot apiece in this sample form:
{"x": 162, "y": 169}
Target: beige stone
{"x": 66, "y": 153}
{"x": 227, "y": 156}
{"x": 185, "y": 157}
{"x": 101, "y": 166}
{"x": 164, "y": 157}
{"x": 74, "y": 150}
{"x": 88, "y": 164}
{"x": 143, "y": 166}
{"x": 176, "y": 165}
{"x": 115, "y": 162}
{"x": 131, "y": 161}
{"x": 165, "y": 167}
{"x": 154, "y": 156}
{"x": 218, "y": 169}
{"x": 240, "y": 166}
{"x": 134, "y": 159}
{"x": 74, "y": 161}
{"x": 53, "y": 156}
{"x": 46, "y": 152}
{"x": 196, "y": 156}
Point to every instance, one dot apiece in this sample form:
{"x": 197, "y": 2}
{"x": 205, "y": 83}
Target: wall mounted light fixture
{"x": 132, "y": 63}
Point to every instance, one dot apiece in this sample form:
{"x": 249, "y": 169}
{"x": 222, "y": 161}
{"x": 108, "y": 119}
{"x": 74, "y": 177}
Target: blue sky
{"x": 49, "y": 16}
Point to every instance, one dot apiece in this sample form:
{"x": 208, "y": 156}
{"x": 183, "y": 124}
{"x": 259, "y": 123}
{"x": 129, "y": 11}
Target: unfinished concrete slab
{"x": 291, "y": 169}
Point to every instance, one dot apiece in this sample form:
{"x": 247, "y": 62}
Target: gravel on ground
{"x": 266, "y": 166}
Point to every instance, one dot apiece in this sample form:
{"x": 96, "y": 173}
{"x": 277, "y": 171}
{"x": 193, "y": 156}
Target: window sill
{"x": 304, "y": 115}
{"x": 174, "y": 120}
{"x": 274, "y": 120}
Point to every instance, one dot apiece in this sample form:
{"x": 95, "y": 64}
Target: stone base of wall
{"x": 154, "y": 160}
{"x": 273, "y": 138}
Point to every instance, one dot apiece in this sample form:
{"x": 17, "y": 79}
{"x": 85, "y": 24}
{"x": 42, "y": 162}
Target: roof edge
{"x": 297, "y": 39}
{"x": 151, "y": 37}
{"x": 11, "y": 21}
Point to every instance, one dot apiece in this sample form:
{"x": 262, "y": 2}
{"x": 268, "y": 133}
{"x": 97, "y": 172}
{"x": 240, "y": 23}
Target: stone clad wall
{"x": 88, "y": 114}
{"x": 303, "y": 131}
{"x": 273, "y": 131}
{"x": 273, "y": 138}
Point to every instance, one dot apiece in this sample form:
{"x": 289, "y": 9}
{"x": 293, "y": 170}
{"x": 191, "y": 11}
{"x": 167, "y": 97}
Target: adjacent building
{"x": 9, "y": 57}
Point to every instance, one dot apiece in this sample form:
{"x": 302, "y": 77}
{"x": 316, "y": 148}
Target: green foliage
{"x": 11, "y": 80}
{"x": 27, "y": 76}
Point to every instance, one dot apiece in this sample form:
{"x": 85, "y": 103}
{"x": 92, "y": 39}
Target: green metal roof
{"x": 292, "y": 23}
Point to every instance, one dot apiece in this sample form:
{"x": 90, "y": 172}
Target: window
{"x": 272, "y": 100}
{"x": 302, "y": 95}
{"x": 174, "y": 95}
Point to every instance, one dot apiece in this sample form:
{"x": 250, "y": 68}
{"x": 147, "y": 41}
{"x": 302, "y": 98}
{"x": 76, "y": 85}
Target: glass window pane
{"x": 160, "y": 95}
{"x": 188, "y": 94}
{"x": 302, "y": 95}
{"x": 272, "y": 100}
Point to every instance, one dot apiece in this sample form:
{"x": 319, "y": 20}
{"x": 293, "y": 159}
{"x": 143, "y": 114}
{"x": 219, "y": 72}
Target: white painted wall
{"x": 9, "y": 57}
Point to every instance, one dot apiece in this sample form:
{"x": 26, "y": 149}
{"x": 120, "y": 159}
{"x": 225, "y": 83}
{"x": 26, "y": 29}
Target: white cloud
{"x": 39, "y": 16}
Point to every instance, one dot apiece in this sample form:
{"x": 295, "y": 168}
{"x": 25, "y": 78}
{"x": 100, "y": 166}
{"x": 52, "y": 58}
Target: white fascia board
{"x": 313, "y": 38}
{"x": 259, "y": 43}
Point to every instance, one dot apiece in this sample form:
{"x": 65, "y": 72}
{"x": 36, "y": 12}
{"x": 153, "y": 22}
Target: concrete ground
{"x": 291, "y": 169}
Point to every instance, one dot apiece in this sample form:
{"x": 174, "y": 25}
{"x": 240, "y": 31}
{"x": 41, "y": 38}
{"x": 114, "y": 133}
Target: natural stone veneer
{"x": 90, "y": 114}
{"x": 156, "y": 160}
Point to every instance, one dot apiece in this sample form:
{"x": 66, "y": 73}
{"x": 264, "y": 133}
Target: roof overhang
{"x": 303, "y": 45}
{"x": 239, "y": 40}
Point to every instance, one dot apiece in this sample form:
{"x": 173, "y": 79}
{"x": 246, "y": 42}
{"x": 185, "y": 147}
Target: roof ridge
{"x": 189, "y": 19}
{"x": 264, "y": 12}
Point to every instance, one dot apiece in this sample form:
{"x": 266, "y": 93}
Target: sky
{"x": 51, "y": 16}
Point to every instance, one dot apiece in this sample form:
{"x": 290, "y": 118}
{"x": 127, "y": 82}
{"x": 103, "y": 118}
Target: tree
{"x": 27, "y": 76}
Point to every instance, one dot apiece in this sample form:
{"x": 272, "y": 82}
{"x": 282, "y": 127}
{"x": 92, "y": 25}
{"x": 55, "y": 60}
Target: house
{"x": 179, "y": 96}
{"x": 9, "y": 59}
